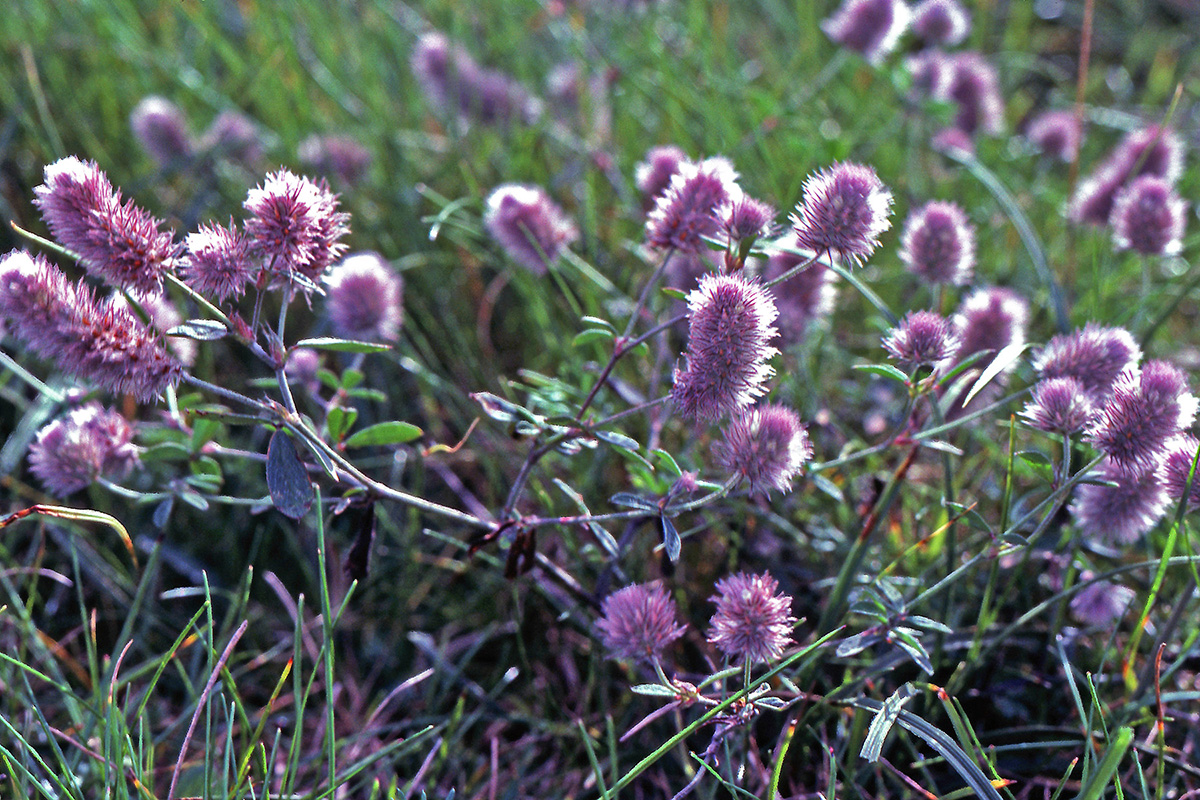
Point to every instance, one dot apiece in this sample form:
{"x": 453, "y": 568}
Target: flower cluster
{"x": 689, "y": 209}
{"x": 73, "y": 451}
{"x": 638, "y": 622}
{"x": 940, "y": 22}
{"x": 454, "y": 81}
{"x": 341, "y": 156}
{"x": 295, "y": 227}
{"x": 753, "y": 623}
{"x": 364, "y": 298}
{"x": 1056, "y": 134}
{"x": 921, "y": 338}
{"x": 162, "y": 129}
{"x": 869, "y": 27}
{"x": 938, "y": 244}
{"x": 1151, "y": 151}
{"x": 1149, "y": 218}
{"x": 531, "y": 227}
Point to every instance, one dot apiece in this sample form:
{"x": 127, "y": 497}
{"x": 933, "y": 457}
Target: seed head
{"x": 938, "y": 244}
{"x": 162, "y": 130}
{"x": 922, "y": 337}
{"x": 940, "y": 22}
{"x": 869, "y": 27}
{"x": 1178, "y": 457}
{"x": 752, "y": 624}
{"x": 1056, "y": 134}
{"x": 687, "y": 211}
{"x": 803, "y": 298}
{"x": 1101, "y": 603}
{"x": 728, "y": 348}
{"x": 1119, "y": 514}
{"x": 295, "y": 226}
{"x": 216, "y": 261}
{"x": 638, "y": 622}
{"x": 530, "y": 226}
{"x": 364, "y": 298}
{"x": 74, "y": 450}
{"x": 1149, "y": 218}
{"x": 1059, "y": 405}
{"x": 766, "y": 446}
{"x": 653, "y": 175}
{"x": 845, "y": 210}
{"x": 1093, "y": 355}
{"x": 1145, "y": 409}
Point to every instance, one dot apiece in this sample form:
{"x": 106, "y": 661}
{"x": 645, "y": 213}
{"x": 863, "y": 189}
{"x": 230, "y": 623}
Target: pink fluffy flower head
{"x": 74, "y": 450}
{"x": 869, "y": 27}
{"x": 845, "y": 210}
{"x": 216, "y": 261}
{"x": 1150, "y": 151}
{"x": 454, "y": 81}
{"x": 639, "y": 622}
{"x": 728, "y": 348}
{"x": 653, "y": 175}
{"x": 745, "y": 220}
{"x": 341, "y": 156}
{"x": 989, "y": 320}
{"x": 803, "y": 298}
{"x": 162, "y": 130}
{"x": 1122, "y": 513}
{"x": 1145, "y": 409}
{"x": 363, "y": 298}
{"x": 1101, "y": 603}
{"x": 1175, "y": 467}
{"x": 753, "y": 623}
{"x": 688, "y": 210}
{"x": 1059, "y": 405}
{"x": 531, "y": 227}
{"x": 941, "y": 22}
{"x": 922, "y": 337}
{"x": 117, "y": 242}
{"x": 295, "y": 225}
{"x": 1093, "y": 355}
{"x": 234, "y": 135}
{"x": 766, "y": 446}
{"x": 1149, "y": 218}
{"x": 971, "y": 83}
{"x": 1056, "y": 134}
{"x": 938, "y": 244}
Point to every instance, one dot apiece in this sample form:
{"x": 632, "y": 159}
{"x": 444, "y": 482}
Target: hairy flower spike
{"x": 74, "y": 450}
{"x": 341, "y": 156}
{"x": 845, "y": 210}
{"x": 62, "y": 322}
{"x": 941, "y": 22}
{"x": 1093, "y": 355}
{"x": 162, "y": 130}
{"x": 639, "y": 622}
{"x": 766, "y": 446}
{"x": 118, "y": 243}
{"x": 364, "y": 298}
{"x": 972, "y": 84}
{"x": 728, "y": 348}
{"x": 989, "y": 320}
{"x": 234, "y": 135}
{"x": 753, "y": 623}
{"x": 869, "y": 27}
{"x": 1056, "y": 134}
{"x": 1151, "y": 151}
{"x": 938, "y": 244}
{"x": 216, "y": 261}
{"x": 653, "y": 175}
{"x": 295, "y": 225}
{"x": 1101, "y": 603}
{"x": 530, "y": 226}
{"x": 1123, "y": 513}
{"x": 687, "y": 211}
{"x": 922, "y": 337}
{"x": 803, "y": 298}
{"x": 1178, "y": 457}
{"x": 1059, "y": 405}
{"x": 745, "y": 220}
{"x": 1149, "y": 218}
{"x": 1146, "y": 408}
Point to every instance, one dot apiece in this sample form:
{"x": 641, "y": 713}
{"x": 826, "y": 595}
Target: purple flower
{"x": 302, "y": 366}
{"x": 803, "y": 298}
{"x": 74, "y": 450}
{"x": 930, "y": 69}
{"x": 938, "y": 244}
{"x": 162, "y": 129}
{"x": 948, "y": 140}
{"x": 869, "y": 27}
{"x": 973, "y": 86}
{"x": 1122, "y": 513}
{"x": 845, "y": 210}
{"x": 745, "y": 220}
{"x": 940, "y": 22}
{"x": 294, "y": 225}
{"x": 364, "y": 298}
{"x": 1151, "y": 151}
{"x": 752, "y": 623}
{"x": 234, "y": 135}
{"x": 340, "y": 155}
{"x": 638, "y": 622}
{"x": 653, "y": 175}
{"x": 62, "y": 322}
{"x": 1101, "y": 603}
{"x": 1056, "y": 134}
{"x": 687, "y": 211}
{"x": 1175, "y": 467}
{"x": 728, "y": 347}
{"x": 1059, "y": 405}
{"x": 989, "y": 320}
{"x": 1149, "y": 218}
{"x": 216, "y": 261}
{"x": 1145, "y": 409}
{"x": 118, "y": 243}
{"x": 922, "y": 337}
{"x": 766, "y": 447}
{"x": 1093, "y": 200}
{"x": 453, "y": 81}
{"x": 1093, "y": 355}
{"x": 530, "y": 226}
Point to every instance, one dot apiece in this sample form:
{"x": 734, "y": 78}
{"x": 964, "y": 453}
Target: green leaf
{"x": 883, "y": 370}
{"x": 603, "y": 323}
{"x": 630, "y": 500}
{"x": 1003, "y": 360}
{"x": 367, "y": 394}
{"x": 671, "y": 541}
{"x": 591, "y": 335}
{"x": 676, "y": 293}
{"x": 202, "y": 330}
{"x": 883, "y": 721}
{"x": 352, "y": 378}
{"x": 617, "y": 439}
{"x": 166, "y": 451}
{"x": 668, "y": 461}
{"x": 340, "y": 420}
{"x": 342, "y": 345}
{"x": 653, "y": 690}
{"x": 385, "y": 433}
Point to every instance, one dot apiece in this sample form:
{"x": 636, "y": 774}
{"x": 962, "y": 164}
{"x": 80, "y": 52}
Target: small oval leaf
{"x": 384, "y": 433}
{"x": 342, "y": 345}
{"x": 287, "y": 480}
{"x": 671, "y": 541}
{"x": 202, "y": 330}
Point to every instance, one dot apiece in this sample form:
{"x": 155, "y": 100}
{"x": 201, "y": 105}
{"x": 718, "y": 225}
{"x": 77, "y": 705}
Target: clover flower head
{"x": 1124, "y": 512}
{"x": 1056, "y": 134}
{"x": 342, "y": 156}
{"x": 930, "y": 69}
{"x": 989, "y": 319}
{"x": 216, "y": 261}
{"x": 1101, "y": 603}
{"x": 234, "y": 135}
{"x": 807, "y": 296}
{"x": 845, "y": 210}
{"x": 974, "y": 87}
{"x": 302, "y": 366}
{"x": 1152, "y": 150}
{"x": 454, "y": 81}
{"x": 1094, "y": 355}
{"x": 869, "y": 27}
{"x": 940, "y": 22}
{"x": 1093, "y": 200}
{"x": 687, "y": 211}
{"x": 922, "y": 337}
{"x": 1178, "y": 456}
{"x": 638, "y": 622}
{"x": 938, "y": 244}
{"x": 753, "y": 622}
{"x": 364, "y": 298}
{"x": 295, "y": 225}
{"x": 74, "y": 450}
{"x": 746, "y": 219}
{"x": 653, "y": 175}
{"x": 531, "y": 227}
{"x": 1149, "y": 218}
{"x": 728, "y": 347}
{"x": 162, "y": 129}
{"x": 766, "y": 446}
{"x": 1145, "y": 409}
{"x": 1059, "y": 405}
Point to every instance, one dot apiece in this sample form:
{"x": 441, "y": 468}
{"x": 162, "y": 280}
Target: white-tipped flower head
{"x": 531, "y": 227}
{"x": 1149, "y": 218}
{"x": 869, "y": 27}
{"x": 364, "y": 298}
{"x": 689, "y": 209}
{"x": 766, "y": 446}
{"x": 753, "y": 622}
{"x": 938, "y": 244}
{"x": 845, "y": 209}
